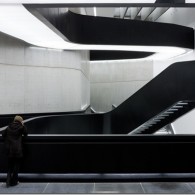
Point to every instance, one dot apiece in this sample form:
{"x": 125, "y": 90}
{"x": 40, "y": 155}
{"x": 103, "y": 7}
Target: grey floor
{"x": 104, "y": 188}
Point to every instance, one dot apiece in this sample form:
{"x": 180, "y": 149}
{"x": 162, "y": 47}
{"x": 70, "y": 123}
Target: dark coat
{"x": 13, "y": 139}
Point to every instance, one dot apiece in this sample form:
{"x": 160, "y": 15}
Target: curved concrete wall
{"x": 36, "y": 79}
{"x": 112, "y": 82}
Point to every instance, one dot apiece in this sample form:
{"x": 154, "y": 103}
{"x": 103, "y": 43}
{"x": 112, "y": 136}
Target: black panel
{"x": 158, "y": 3}
{"x": 8, "y": 118}
{"x": 67, "y": 124}
{"x": 100, "y": 154}
{"x": 112, "y": 31}
{"x": 117, "y": 55}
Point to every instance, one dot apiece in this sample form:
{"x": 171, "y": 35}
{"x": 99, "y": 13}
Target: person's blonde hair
{"x": 18, "y": 118}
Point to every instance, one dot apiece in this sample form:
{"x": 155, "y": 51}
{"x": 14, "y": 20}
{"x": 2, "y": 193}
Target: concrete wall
{"x": 36, "y": 79}
{"x": 112, "y": 82}
{"x": 186, "y": 17}
{"x": 182, "y": 16}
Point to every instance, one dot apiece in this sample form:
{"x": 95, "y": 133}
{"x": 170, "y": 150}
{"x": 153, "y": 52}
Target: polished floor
{"x": 100, "y": 188}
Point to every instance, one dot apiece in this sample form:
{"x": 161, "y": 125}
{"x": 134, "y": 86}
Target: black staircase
{"x": 165, "y": 117}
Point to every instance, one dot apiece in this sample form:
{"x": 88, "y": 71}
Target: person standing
{"x": 13, "y": 143}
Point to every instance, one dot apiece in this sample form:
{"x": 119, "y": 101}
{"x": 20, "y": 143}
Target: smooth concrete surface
{"x": 100, "y": 188}
{"x": 112, "y": 82}
{"x": 120, "y": 70}
{"x": 179, "y": 15}
{"x": 84, "y": 91}
{"x": 103, "y": 95}
{"x": 34, "y": 79}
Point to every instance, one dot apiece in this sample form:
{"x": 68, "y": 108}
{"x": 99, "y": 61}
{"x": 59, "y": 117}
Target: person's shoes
{"x": 15, "y": 183}
{"x": 7, "y": 184}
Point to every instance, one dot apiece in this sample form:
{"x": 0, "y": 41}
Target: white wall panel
{"x": 124, "y": 70}
{"x": 112, "y": 82}
{"x": 11, "y": 50}
{"x": 85, "y": 64}
{"x": 41, "y": 80}
{"x": 182, "y": 16}
{"x": 101, "y": 96}
{"x": 123, "y": 90}
{"x": 11, "y": 89}
{"x": 85, "y": 91}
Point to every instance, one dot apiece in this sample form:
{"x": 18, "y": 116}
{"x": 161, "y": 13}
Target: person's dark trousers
{"x": 13, "y": 169}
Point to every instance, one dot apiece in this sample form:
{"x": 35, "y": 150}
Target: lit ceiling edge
{"x": 17, "y": 21}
